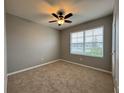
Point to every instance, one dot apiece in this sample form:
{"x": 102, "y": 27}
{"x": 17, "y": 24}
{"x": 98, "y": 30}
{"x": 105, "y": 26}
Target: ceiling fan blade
{"x": 55, "y": 15}
{"x": 68, "y": 15}
{"x": 68, "y": 21}
{"x": 52, "y": 21}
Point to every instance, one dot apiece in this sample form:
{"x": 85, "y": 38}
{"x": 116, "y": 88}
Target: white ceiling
{"x": 40, "y": 10}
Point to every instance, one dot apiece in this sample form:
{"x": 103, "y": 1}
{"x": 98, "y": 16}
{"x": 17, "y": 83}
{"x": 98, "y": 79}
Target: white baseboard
{"x": 98, "y": 69}
{"x": 19, "y": 71}
{"x": 116, "y": 87}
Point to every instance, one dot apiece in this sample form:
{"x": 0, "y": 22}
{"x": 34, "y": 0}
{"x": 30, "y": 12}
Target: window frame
{"x": 70, "y": 34}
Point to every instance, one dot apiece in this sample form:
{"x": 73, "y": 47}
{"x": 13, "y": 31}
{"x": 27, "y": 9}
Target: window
{"x": 88, "y": 42}
{"x": 77, "y": 43}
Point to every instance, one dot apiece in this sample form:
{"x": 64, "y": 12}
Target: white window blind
{"x": 88, "y": 42}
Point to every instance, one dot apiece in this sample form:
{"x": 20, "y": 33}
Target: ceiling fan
{"x": 61, "y": 18}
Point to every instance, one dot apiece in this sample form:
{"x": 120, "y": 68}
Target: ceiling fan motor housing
{"x": 61, "y": 17}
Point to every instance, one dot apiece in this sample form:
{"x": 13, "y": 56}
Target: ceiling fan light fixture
{"x": 60, "y": 21}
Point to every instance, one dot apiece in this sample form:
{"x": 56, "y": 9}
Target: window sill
{"x": 86, "y": 56}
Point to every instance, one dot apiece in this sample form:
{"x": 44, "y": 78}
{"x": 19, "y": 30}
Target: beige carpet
{"x": 61, "y": 77}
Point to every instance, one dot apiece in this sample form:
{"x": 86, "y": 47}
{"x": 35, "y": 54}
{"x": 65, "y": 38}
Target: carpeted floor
{"x": 61, "y": 77}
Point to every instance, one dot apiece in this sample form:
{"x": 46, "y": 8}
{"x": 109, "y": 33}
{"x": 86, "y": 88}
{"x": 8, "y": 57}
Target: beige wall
{"x": 28, "y": 42}
{"x": 103, "y": 63}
